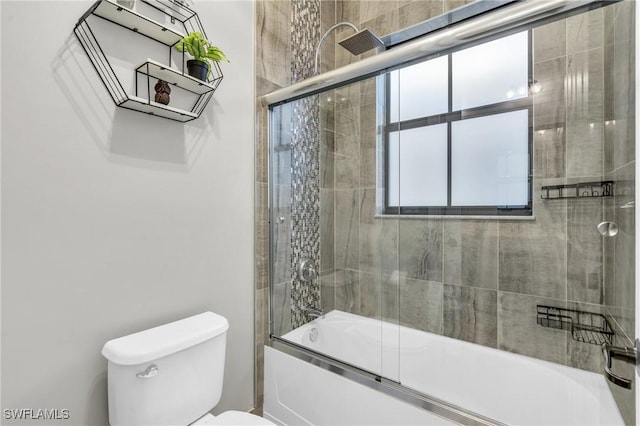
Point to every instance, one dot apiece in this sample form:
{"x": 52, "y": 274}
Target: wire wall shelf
{"x": 184, "y": 20}
{"x": 578, "y": 190}
{"x": 587, "y": 327}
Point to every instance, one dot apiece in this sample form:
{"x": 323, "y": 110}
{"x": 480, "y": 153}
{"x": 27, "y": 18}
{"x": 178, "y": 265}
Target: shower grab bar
{"x": 627, "y": 354}
{"x": 507, "y": 18}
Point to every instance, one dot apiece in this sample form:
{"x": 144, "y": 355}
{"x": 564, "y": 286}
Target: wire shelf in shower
{"x": 578, "y": 190}
{"x": 587, "y": 327}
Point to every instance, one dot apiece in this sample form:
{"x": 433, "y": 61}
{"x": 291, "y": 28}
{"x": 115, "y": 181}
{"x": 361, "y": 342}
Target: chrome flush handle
{"x": 151, "y": 371}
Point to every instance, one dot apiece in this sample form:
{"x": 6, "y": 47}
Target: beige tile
{"x": 470, "y": 314}
{"x": 273, "y": 35}
{"x": 421, "y": 305}
{"x": 420, "y": 249}
{"x": 348, "y": 10}
{"x": 261, "y": 237}
{"x": 347, "y": 291}
{"x": 532, "y": 253}
{"x": 327, "y": 230}
{"x": 519, "y": 332}
{"x": 379, "y": 296}
{"x": 449, "y": 5}
{"x": 549, "y": 153}
{"x": 347, "y": 98}
{"x": 261, "y": 337}
{"x": 281, "y": 309}
{"x": 327, "y": 160}
{"x": 281, "y": 234}
{"x": 619, "y": 109}
{"x": 328, "y": 290}
{"x": 384, "y": 24}
{"x": 584, "y": 88}
{"x": 416, "y": 11}
{"x": 549, "y": 104}
{"x": 347, "y": 137}
{"x": 347, "y": 228}
{"x": 624, "y": 241}
{"x": 471, "y": 253}
{"x": 262, "y": 146}
{"x": 624, "y": 21}
{"x": 584, "y": 251}
{"x": 549, "y": 41}
{"x": 585, "y": 149}
{"x": 372, "y": 9}
{"x": 583, "y": 355}
{"x": 378, "y": 238}
{"x": 369, "y": 163}
{"x": 585, "y": 31}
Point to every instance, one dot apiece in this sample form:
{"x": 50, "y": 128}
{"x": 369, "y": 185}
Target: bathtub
{"x": 498, "y": 386}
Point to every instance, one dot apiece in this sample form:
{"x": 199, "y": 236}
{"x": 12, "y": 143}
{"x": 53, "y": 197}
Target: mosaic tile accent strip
{"x": 305, "y": 160}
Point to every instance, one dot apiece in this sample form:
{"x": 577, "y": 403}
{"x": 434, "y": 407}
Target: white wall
{"x": 114, "y": 221}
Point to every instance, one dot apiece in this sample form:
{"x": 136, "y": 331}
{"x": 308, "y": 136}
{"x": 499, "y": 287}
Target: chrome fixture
{"x": 510, "y": 17}
{"x": 361, "y": 42}
{"x": 628, "y": 205}
{"x": 307, "y": 270}
{"x": 313, "y": 334}
{"x": 151, "y": 371}
{"x": 628, "y": 354}
{"x": 357, "y": 43}
{"x": 534, "y": 87}
{"x": 313, "y": 313}
{"x": 608, "y": 229}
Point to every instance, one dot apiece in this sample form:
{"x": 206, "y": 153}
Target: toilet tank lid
{"x": 157, "y": 342}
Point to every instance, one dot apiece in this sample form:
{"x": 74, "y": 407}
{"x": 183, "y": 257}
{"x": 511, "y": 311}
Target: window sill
{"x": 456, "y": 217}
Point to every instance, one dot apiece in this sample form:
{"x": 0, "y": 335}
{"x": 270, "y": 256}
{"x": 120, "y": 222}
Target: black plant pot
{"x": 198, "y": 69}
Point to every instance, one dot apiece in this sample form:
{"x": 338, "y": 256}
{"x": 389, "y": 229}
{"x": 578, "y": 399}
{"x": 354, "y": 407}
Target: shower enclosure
{"x": 477, "y": 186}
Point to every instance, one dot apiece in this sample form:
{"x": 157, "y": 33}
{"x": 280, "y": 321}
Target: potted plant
{"x": 204, "y": 53}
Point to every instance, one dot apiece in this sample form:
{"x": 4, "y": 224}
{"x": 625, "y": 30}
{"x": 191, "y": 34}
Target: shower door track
{"x": 505, "y": 20}
{"x": 388, "y": 387}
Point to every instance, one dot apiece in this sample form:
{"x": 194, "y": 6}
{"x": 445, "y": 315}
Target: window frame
{"x": 520, "y": 104}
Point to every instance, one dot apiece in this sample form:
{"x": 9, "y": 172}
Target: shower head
{"x": 357, "y": 43}
{"x": 361, "y": 42}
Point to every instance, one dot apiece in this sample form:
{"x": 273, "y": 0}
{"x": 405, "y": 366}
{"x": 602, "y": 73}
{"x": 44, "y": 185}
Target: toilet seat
{"x": 233, "y": 418}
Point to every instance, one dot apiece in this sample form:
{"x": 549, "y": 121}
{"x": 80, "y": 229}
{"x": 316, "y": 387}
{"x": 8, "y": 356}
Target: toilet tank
{"x": 167, "y": 375}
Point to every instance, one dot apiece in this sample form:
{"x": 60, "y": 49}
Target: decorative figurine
{"x": 162, "y": 92}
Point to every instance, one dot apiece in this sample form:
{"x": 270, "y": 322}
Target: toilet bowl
{"x": 171, "y": 375}
{"x": 232, "y": 418}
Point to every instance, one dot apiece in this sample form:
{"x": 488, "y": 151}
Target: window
{"x": 458, "y": 132}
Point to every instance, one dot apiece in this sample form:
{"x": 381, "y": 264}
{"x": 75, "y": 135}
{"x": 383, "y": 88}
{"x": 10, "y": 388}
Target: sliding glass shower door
{"x": 336, "y": 272}
{"x": 463, "y": 224}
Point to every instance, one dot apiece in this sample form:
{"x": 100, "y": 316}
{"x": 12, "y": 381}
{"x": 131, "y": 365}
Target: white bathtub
{"x": 499, "y": 385}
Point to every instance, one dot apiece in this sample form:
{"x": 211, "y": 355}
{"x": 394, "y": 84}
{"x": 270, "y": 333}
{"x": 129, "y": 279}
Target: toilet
{"x": 171, "y": 375}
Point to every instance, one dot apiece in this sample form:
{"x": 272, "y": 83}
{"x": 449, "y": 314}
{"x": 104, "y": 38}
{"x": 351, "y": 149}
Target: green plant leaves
{"x": 216, "y": 54}
{"x": 200, "y": 48}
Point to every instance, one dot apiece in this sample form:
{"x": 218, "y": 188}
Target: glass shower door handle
{"x": 628, "y": 354}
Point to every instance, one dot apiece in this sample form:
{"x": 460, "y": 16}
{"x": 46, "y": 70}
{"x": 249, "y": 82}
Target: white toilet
{"x": 171, "y": 375}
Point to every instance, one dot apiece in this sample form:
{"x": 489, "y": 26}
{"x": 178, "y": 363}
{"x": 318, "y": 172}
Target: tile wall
{"x": 475, "y": 280}
{"x": 286, "y": 36}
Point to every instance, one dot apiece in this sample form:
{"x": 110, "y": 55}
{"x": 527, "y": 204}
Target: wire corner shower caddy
{"x": 587, "y": 327}
{"x": 141, "y": 100}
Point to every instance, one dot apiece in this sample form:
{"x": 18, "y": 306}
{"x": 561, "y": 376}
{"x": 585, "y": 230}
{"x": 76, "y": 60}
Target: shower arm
{"x": 324, "y": 38}
{"x": 509, "y": 18}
